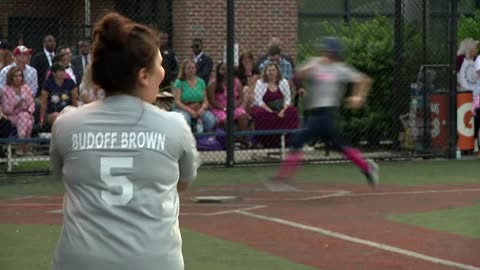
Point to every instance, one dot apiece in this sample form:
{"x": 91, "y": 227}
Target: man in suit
{"x": 80, "y": 62}
{"x": 203, "y": 62}
{"x": 42, "y": 61}
{"x": 170, "y": 63}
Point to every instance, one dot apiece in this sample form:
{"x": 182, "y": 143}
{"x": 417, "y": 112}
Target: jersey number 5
{"x": 116, "y": 182}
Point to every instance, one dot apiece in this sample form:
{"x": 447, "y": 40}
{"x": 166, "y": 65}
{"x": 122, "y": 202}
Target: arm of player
{"x": 189, "y": 161}
{"x": 56, "y": 161}
{"x": 303, "y": 72}
{"x": 361, "y": 88}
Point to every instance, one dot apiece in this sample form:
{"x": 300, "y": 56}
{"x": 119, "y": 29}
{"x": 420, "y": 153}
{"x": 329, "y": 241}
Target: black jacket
{"x": 170, "y": 65}
{"x": 204, "y": 67}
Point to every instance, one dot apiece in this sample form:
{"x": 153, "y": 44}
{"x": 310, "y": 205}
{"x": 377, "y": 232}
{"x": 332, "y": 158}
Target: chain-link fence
{"x": 407, "y": 47}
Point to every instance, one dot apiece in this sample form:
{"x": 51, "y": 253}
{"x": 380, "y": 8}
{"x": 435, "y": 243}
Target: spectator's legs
{"x": 208, "y": 121}
{"x": 24, "y": 124}
{"x": 242, "y": 123}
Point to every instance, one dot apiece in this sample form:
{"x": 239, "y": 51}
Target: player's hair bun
{"x": 121, "y": 47}
{"x": 113, "y": 31}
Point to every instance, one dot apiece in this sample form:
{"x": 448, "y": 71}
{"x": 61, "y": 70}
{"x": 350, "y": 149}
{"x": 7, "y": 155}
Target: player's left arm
{"x": 56, "y": 160}
{"x": 362, "y": 84}
{"x": 361, "y": 88}
{"x": 189, "y": 160}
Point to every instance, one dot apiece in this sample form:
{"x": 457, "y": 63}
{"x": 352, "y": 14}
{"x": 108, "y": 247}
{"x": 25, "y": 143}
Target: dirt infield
{"x": 329, "y": 227}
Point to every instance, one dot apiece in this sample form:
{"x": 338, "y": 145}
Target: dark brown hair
{"x": 241, "y": 69}
{"x": 11, "y": 73}
{"x": 121, "y": 48}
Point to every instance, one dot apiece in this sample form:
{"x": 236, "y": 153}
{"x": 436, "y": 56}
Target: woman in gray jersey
{"x": 122, "y": 161}
{"x": 328, "y": 76}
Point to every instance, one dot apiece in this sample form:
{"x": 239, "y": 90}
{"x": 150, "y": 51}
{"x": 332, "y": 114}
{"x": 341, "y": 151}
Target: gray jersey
{"x": 328, "y": 84}
{"x": 121, "y": 159}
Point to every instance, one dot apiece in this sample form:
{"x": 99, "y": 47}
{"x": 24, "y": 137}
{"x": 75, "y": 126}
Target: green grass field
{"x": 30, "y": 247}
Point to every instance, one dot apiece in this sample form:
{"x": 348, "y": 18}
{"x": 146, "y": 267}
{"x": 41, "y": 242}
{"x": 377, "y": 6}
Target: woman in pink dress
{"x": 217, "y": 98}
{"x": 18, "y": 106}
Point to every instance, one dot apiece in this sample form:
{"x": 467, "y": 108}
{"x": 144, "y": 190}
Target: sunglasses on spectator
{"x": 196, "y": 46}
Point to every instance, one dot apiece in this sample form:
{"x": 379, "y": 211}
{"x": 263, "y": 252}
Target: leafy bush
{"x": 469, "y": 27}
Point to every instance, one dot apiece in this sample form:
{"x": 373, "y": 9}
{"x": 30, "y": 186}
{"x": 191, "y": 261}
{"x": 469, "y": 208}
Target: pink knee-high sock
{"x": 356, "y": 157}
{"x": 290, "y": 165}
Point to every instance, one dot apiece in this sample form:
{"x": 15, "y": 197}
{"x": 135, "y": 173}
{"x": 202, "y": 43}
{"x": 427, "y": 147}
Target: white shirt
{"x": 261, "y": 88}
{"x": 196, "y": 57}
{"x": 70, "y": 73}
{"x": 49, "y": 55}
{"x": 85, "y": 58}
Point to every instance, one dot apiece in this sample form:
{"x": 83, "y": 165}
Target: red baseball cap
{"x": 21, "y": 49}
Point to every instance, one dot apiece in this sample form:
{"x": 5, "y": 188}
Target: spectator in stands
{"x": 43, "y": 60}
{"x": 467, "y": 78}
{"x": 274, "y": 41}
{"x": 6, "y": 56}
{"x": 18, "y": 106}
{"x": 248, "y": 76}
{"x": 275, "y": 57}
{"x": 170, "y": 63}
{"x": 217, "y": 99}
{"x": 81, "y": 61}
{"x": 67, "y": 62}
{"x": 203, "y": 62}
{"x": 191, "y": 98}
{"x": 22, "y": 58}
{"x": 89, "y": 91}
{"x": 286, "y": 64}
{"x": 62, "y": 58}
{"x": 273, "y": 109}
{"x": 58, "y": 92}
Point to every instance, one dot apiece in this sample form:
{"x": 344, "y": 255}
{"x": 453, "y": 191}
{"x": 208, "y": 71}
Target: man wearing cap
{"x": 22, "y": 58}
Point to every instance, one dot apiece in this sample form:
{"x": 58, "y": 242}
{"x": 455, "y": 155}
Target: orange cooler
{"x": 465, "y": 121}
{"x": 439, "y": 116}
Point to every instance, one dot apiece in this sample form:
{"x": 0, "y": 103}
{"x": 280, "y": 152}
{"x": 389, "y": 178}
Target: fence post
{"x": 453, "y": 19}
{"x": 397, "y": 69}
{"x": 230, "y": 85}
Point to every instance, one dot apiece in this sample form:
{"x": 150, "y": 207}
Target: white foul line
{"x": 224, "y": 212}
{"x": 349, "y": 194}
{"x": 359, "y": 241}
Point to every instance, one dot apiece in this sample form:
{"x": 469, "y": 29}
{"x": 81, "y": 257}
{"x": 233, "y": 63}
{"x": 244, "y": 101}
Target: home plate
{"x": 214, "y": 199}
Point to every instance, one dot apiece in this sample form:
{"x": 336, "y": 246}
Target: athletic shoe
{"x": 372, "y": 173}
{"x": 279, "y": 184}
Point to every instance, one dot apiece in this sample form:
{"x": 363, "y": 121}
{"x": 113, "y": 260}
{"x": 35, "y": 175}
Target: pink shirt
{"x": 10, "y": 99}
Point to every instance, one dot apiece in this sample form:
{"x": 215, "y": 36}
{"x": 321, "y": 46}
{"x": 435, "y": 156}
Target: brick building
{"x": 256, "y": 21}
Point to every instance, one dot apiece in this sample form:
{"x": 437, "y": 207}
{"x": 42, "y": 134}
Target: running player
{"x": 328, "y": 75}
{"x": 122, "y": 161}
